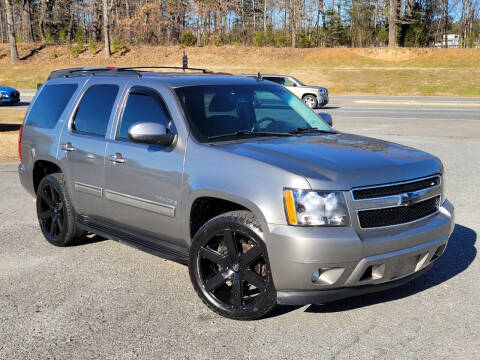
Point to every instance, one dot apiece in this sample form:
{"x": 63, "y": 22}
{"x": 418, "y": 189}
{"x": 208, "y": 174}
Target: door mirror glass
{"x": 150, "y": 133}
{"x": 326, "y": 117}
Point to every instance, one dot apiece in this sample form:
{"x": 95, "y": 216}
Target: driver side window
{"x": 143, "y": 104}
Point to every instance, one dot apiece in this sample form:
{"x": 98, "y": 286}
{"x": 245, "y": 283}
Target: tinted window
{"x": 277, "y": 80}
{"x": 94, "y": 110}
{"x": 222, "y": 109}
{"x": 142, "y": 105}
{"x": 50, "y": 104}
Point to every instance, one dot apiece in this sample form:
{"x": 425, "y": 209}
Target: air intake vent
{"x": 398, "y": 215}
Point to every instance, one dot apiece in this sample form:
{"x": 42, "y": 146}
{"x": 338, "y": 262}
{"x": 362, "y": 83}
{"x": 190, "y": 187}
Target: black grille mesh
{"x": 395, "y": 189}
{"x": 398, "y": 215}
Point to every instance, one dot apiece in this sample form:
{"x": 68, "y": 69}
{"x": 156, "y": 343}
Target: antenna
{"x": 185, "y": 61}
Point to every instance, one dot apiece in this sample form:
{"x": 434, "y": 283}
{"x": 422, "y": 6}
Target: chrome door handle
{"x": 67, "y": 147}
{"x": 116, "y": 158}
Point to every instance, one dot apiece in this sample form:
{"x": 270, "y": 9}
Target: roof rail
{"x": 205, "y": 71}
{"x": 81, "y": 71}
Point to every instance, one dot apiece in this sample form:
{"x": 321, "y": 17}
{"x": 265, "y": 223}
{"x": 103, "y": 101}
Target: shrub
{"x": 188, "y": 39}
{"x": 76, "y": 50}
{"x": 303, "y": 41}
{"x": 282, "y": 40}
{"x": 118, "y": 46}
{"x": 80, "y": 35}
{"x": 92, "y": 45}
{"x": 48, "y": 39}
{"x": 53, "y": 55}
{"x": 63, "y": 36}
{"x": 259, "y": 39}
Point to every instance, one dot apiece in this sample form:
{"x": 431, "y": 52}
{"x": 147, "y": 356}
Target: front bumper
{"x": 9, "y": 101}
{"x": 317, "y": 265}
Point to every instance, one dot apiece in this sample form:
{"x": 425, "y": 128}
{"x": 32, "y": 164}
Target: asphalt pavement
{"x": 105, "y": 300}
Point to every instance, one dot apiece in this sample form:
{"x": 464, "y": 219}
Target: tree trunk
{"x": 293, "y": 27}
{"x": 106, "y": 29}
{"x": 27, "y": 22}
{"x": 265, "y": 16}
{"x": 11, "y": 32}
{"x": 392, "y": 23}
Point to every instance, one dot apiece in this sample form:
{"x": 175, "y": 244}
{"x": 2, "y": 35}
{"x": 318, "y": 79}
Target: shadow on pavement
{"x": 458, "y": 256}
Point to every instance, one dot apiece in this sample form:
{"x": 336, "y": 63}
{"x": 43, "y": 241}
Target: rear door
{"x": 144, "y": 181}
{"x": 82, "y": 145}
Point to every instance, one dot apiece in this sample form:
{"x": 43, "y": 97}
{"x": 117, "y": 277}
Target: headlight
{"x": 323, "y": 91}
{"x": 320, "y": 208}
{"x": 4, "y": 96}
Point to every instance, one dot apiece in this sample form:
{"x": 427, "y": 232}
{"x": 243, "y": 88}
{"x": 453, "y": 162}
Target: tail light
{"x": 20, "y": 133}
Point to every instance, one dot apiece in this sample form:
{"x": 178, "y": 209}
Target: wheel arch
{"x": 205, "y": 205}
{"x": 42, "y": 168}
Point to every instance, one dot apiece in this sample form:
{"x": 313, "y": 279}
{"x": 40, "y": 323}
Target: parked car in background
{"x": 9, "y": 96}
{"x": 312, "y": 96}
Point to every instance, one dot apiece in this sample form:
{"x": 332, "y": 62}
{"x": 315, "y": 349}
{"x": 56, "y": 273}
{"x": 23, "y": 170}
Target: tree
{"x": 392, "y": 23}
{"x": 11, "y": 31}
{"x": 106, "y": 27}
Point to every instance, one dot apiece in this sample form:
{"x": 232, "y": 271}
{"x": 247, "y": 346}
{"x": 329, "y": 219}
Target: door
{"x": 144, "y": 181}
{"x": 82, "y": 148}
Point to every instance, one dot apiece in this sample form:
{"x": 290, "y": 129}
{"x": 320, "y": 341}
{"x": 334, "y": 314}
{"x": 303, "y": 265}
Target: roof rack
{"x": 112, "y": 71}
{"x": 205, "y": 71}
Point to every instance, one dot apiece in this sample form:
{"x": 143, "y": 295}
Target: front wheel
{"x": 229, "y": 267}
{"x": 311, "y": 101}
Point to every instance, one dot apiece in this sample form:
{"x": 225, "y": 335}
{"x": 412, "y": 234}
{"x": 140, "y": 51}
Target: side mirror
{"x": 326, "y": 117}
{"x": 150, "y": 133}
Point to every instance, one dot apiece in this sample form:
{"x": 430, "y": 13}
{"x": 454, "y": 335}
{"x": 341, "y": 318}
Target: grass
{"x": 10, "y": 120}
{"x": 377, "y": 71}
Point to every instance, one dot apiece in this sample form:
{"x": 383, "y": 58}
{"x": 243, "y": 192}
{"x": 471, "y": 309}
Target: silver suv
{"x": 312, "y": 96}
{"x": 235, "y": 177}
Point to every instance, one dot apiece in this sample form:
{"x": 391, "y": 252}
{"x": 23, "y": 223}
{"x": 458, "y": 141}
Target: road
{"x": 107, "y": 300}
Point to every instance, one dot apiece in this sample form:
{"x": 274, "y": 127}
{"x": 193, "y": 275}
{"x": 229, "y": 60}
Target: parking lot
{"x": 105, "y": 300}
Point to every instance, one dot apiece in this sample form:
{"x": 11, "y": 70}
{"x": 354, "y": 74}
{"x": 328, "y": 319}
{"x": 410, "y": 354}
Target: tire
{"x": 311, "y": 101}
{"x": 229, "y": 267}
{"x": 55, "y": 212}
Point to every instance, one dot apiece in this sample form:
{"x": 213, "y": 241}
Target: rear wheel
{"x": 229, "y": 267}
{"x": 55, "y": 212}
{"x": 311, "y": 101}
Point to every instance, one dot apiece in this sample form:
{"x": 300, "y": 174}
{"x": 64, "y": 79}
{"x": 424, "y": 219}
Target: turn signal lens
{"x": 290, "y": 207}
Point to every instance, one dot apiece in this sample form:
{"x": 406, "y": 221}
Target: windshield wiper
{"x": 301, "y": 130}
{"x": 248, "y": 133}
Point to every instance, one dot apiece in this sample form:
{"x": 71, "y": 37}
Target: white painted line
{"x": 415, "y": 102}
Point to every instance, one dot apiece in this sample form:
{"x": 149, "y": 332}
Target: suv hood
{"x": 340, "y": 161}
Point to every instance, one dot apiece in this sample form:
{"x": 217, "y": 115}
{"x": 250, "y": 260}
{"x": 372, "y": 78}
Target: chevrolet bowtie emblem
{"x": 409, "y": 198}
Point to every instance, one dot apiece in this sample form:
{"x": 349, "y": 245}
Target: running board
{"x": 153, "y": 246}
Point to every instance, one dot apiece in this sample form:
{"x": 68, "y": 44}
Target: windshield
{"x": 214, "y": 110}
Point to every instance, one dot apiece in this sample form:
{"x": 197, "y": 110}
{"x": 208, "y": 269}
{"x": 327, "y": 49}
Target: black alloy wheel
{"x": 55, "y": 212}
{"x": 230, "y": 267}
{"x": 51, "y": 212}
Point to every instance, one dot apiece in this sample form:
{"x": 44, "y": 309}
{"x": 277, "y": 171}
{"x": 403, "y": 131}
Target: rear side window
{"x": 94, "y": 111}
{"x": 143, "y": 104}
{"x": 49, "y": 105}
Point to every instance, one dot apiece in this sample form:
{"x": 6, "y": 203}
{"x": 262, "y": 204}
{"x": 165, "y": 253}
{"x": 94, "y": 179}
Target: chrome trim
{"x": 395, "y": 184}
{"x": 140, "y": 203}
{"x": 392, "y": 201}
{"x": 88, "y": 189}
{"x": 385, "y": 202}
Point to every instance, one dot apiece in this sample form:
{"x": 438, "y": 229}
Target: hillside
{"x": 372, "y": 71}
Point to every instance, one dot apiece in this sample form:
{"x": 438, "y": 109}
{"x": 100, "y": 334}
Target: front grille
{"x": 388, "y": 190}
{"x": 398, "y": 215}
{"x": 15, "y": 95}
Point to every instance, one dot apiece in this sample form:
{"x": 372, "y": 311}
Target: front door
{"x": 144, "y": 181}
{"x": 82, "y": 148}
